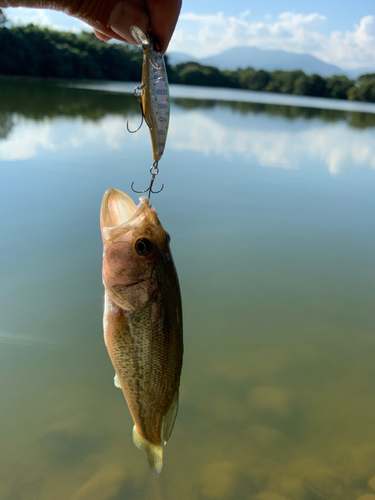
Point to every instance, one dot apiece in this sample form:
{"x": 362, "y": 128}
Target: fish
{"x": 155, "y": 100}
{"x": 142, "y": 319}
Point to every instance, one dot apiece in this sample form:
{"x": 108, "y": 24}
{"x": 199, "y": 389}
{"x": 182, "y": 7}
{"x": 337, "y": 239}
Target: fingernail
{"x": 124, "y": 15}
{"x": 138, "y": 35}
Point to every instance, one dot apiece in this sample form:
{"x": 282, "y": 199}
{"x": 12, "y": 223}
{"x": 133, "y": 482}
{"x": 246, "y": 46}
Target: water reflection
{"x": 354, "y": 119}
{"x": 277, "y": 273}
{"x": 29, "y": 138}
{"x": 39, "y": 100}
{"x": 258, "y": 132}
{"x": 274, "y": 142}
{"x": 6, "y": 124}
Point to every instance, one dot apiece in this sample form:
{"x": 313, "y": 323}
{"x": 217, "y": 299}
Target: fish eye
{"x": 143, "y": 247}
{"x": 167, "y": 237}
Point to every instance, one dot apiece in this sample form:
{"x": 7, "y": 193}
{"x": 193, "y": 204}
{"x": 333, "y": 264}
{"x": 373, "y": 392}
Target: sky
{"x": 340, "y": 33}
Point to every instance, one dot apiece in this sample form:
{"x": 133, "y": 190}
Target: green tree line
{"x": 284, "y": 82}
{"x": 40, "y": 52}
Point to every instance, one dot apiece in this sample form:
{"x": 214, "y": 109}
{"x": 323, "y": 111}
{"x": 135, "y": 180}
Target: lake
{"x": 271, "y": 212}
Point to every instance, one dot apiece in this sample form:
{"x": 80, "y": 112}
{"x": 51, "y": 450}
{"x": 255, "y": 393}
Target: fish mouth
{"x": 119, "y": 213}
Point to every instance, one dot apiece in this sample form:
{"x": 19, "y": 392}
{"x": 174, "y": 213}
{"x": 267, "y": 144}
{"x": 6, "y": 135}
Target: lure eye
{"x": 143, "y": 247}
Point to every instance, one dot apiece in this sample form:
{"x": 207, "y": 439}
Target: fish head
{"x": 135, "y": 249}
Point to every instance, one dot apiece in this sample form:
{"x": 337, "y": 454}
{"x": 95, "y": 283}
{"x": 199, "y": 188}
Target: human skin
{"x": 113, "y": 18}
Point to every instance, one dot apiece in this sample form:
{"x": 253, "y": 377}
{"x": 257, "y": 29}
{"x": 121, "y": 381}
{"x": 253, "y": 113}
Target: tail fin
{"x": 154, "y": 452}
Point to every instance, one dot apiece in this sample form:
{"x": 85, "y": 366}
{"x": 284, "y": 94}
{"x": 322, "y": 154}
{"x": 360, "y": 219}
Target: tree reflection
{"x": 40, "y": 99}
{"x": 6, "y": 124}
{"x": 353, "y": 118}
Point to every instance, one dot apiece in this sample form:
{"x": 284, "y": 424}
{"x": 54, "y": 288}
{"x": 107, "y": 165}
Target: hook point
{"x": 149, "y": 190}
{"x": 136, "y": 130}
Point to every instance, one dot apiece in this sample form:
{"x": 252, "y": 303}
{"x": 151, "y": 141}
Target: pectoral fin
{"x": 117, "y": 381}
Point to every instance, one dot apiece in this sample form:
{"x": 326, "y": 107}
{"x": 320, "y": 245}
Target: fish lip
{"x": 131, "y": 214}
{"x": 116, "y": 208}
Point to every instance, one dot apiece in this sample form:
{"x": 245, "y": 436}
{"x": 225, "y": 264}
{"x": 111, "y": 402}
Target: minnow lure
{"x": 153, "y": 93}
{"x": 153, "y": 97}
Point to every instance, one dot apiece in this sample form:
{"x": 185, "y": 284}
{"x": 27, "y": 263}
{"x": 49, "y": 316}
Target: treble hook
{"x": 154, "y": 170}
{"x": 138, "y": 92}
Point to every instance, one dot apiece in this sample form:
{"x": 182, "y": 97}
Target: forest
{"x": 32, "y": 51}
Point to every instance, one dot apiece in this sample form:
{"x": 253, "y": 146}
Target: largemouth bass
{"x": 155, "y": 92}
{"x": 142, "y": 318}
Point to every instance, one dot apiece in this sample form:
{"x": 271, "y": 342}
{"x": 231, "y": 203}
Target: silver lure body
{"x": 155, "y": 93}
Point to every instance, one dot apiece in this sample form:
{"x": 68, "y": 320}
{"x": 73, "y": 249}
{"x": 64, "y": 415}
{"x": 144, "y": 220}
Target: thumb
{"x": 126, "y": 14}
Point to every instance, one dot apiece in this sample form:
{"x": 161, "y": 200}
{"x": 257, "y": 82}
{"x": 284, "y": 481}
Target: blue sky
{"x": 340, "y": 33}
{"x": 337, "y": 18}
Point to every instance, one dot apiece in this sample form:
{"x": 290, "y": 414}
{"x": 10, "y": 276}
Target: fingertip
{"x": 164, "y": 16}
{"x": 101, "y": 35}
{"x": 126, "y": 14}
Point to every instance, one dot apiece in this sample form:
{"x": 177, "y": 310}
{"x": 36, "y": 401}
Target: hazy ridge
{"x": 268, "y": 60}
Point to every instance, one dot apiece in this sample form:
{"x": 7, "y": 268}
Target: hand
{"x": 113, "y": 18}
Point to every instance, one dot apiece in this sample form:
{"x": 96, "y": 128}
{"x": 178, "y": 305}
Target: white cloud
{"x": 244, "y": 14}
{"x": 211, "y": 34}
{"x": 235, "y": 31}
{"x": 353, "y": 48}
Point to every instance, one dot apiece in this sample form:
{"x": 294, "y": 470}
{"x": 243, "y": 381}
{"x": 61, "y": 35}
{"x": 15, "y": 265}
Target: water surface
{"x": 271, "y": 211}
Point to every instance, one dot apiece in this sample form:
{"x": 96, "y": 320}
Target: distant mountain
{"x": 179, "y": 57}
{"x": 355, "y": 73}
{"x": 269, "y": 60}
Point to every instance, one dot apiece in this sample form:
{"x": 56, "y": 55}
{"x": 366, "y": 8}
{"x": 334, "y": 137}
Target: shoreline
{"x": 179, "y": 91}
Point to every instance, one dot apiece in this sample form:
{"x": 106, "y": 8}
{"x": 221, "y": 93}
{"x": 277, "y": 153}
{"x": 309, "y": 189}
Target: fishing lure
{"x": 153, "y": 97}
